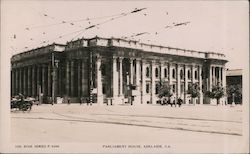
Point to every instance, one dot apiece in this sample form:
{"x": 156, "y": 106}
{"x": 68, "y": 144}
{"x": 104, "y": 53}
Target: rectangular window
{"x": 174, "y": 88}
{"x": 157, "y": 89}
{"x": 147, "y": 88}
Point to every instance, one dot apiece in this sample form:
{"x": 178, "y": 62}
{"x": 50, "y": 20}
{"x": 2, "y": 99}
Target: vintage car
{"x": 22, "y": 105}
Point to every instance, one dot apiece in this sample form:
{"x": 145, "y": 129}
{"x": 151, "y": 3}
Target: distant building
{"x": 102, "y": 70}
{"x": 234, "y": 82}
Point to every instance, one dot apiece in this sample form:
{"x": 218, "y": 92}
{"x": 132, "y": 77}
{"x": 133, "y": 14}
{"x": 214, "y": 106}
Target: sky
{"x": 216, "y": 26}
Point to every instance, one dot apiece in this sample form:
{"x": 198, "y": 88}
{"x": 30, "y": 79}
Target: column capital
{"x": 138, "y": 59}
{"x": 120, "y": 59}
{"x": 114, "y": 58}
{"x": 131, "y": 59}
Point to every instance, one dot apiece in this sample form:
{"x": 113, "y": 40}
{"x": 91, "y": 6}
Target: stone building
{"x": 114, "y": 70}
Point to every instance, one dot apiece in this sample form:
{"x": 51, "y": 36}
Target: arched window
{"x": 173, "y": 73}
{"x": 196, "y": 75}
{"x": 181, "y": 74}
{"x": 189, "y": 74}
{"x": 156, "y": 73}
{"x": 147, "y": 72}
{"x": 165, "y": 73}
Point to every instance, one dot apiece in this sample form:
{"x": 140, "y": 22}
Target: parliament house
{"x": 114, "y": 70}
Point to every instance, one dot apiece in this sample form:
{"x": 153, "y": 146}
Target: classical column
{"x": 224, "y": 84}
{"x": 38, "y": 80}
{"x": 178, "y": 82}
{"x": 120, "y": 77}
{"x": 114, "y": 78}
{"x": 211, "y": 72}
{"x": 43, "y": 80}
{"x": 29, "y": 81}
{"x": 186, "y": 84}
{"x": 20, "y": 80}
{"x": 131, "y": 71}
{"x": 143, "y": 78}
{"x": 67, "y": 78}
{"x": 49, "y": 80}
{"x": 219, "y": 76}
{"x": 84, "y": 78}
{"x": 193, "y": 81}
{"x": 153, "y": 96}
{"x": 25, "y": 81}
{"x": 16, "y": 81}
{"x": 193, "y": 73}
{"x": 72, "y": 84}
{"x": 161, "y": 71}
{"x": 79, "y": 78}
{"x": 200, "y": 84}
{"x": 170, "y": 74}
{"x": 137, "y": 82}
{"x": 12, "y": 79}
{"x": 214, "y": 76}
{"x": 59, "y": 78}
{"x": 99, "y": 81}
{"x": 55, "y": 82}
{"x": 33, "y": 81}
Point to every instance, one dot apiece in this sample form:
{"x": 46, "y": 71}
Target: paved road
{"x": 81, "y": 123}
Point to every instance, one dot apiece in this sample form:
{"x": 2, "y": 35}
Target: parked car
{"x": 22, "y": 105}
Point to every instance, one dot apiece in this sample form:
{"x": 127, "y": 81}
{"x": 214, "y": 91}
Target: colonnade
{"x": 127, "y": 73}
{"x": 33, "y": 80}
{"x": 217, "y": 76}
{"x": 143, "y": 75}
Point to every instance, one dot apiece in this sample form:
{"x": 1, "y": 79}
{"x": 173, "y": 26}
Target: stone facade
{"x": 111, "y": 70}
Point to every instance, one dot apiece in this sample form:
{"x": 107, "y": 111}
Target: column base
{"x": 100, "y": 100}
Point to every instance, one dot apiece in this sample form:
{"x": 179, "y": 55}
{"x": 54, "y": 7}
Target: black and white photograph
{"x": 124, "y": 76}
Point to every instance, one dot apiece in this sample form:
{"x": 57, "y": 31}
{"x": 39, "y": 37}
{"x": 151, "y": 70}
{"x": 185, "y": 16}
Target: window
{"x": 156, "y": 73}
{"x": 103, "y": 69}
{"x": 196, "y": 75}
{"x": 181, "y": 74}
{"x": 189, "y": 86}
{"x": 173, "y": 88}
{"x": 173, "y": 73}
{"x": 147, "y": 88}
{"x": 104, "y": 89}
{"x": 147, "y": 72}
{"x": 165, "y": 73}
{"x": 157, "y": 89}
{"x": 189, "y": 74}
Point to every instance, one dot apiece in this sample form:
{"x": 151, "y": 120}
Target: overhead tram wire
{"x": 96, "y": 25}
{"x": 156, "y": 32}
{"x": 92, "y": 26}
{"x": 71, "y": 22}
{"x": 109, "y": 20}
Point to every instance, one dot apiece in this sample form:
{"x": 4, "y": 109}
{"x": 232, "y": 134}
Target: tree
{"x": 165, "y": 90}
{"x": 193, "y": 90}
{"x": 217, "y": 92}
{"x": 234, "y": 93}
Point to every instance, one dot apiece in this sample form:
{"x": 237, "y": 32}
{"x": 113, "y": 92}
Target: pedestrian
{"x": 87, "y": 101}
{"x": 179, "y": 101}
{"x": 81, "y": 100}
{"x": 68, "y": 100}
